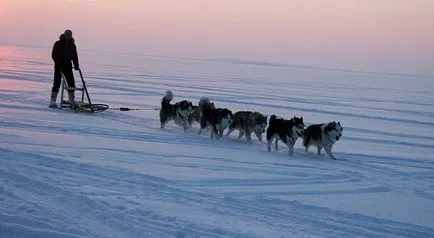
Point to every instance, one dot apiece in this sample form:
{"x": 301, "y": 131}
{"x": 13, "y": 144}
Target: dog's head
{"x": 226, "y": 117}
{"x": 334, "y": 130}
{"x": 165, "y": 101}
{"x": 185, "y": 108}
{"x": 297, "y": 126}
{"x": 195, "y": 109}
{"x": 205, "y": 103}
{"x": 260, "y": 122}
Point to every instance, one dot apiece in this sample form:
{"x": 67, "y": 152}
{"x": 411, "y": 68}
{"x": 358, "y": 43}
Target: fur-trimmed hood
{"x": 63, "y": 38}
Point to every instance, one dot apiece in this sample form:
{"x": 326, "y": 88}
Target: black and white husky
{"x": 180, "y": 112}
{"x": 217, "y": 119}
{"x": 322, "y": 135}
{"x": 287, "y": 131}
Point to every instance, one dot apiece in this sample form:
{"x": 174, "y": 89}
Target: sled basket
{"x": 84, "y": 107}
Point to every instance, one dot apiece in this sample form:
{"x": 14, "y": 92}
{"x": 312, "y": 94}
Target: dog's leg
{"x": 241, "y": 134}
{"x": 290, "y": 148}
{"x": 214, "y": 131}
{"x": 203, "y": 125}
{"x": 292, "y": 145}
{"x": 270, "y": 141}
{"x": 185, "y": 125}
{"x": 163, "y": 120}
{"x": 220, "y": 133}
{"x": 163, "y": 123}
{"x": 319, "y": 149}
{"x": 276, "y": 143}
{"x": 328, "y": 150}
{"x": 291, "y": 151}
{"x": 214, "y": 134}
{"x": 248, "y": 135}
{"x": 259, "y": 135}
{"x": 230, "y": 131}
{"x": 190, "y": 121}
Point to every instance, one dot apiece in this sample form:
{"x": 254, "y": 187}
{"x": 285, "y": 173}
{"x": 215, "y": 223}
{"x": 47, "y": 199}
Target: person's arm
{"x": 75, "y": 57}
{"x": 54, "y": 52}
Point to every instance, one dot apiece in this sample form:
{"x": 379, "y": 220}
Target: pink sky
{"x": 384, "y": 35}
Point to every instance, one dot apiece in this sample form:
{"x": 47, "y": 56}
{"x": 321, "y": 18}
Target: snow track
{"x": 117, "y": 174}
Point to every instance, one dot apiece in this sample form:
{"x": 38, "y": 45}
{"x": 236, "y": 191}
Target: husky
{"x": 179, "y": 112}
{"x": 218, "y": 119}
{"x": 322, "y": 136}
{"x": 247, "y": 122}
{"x": 287, "y": 131}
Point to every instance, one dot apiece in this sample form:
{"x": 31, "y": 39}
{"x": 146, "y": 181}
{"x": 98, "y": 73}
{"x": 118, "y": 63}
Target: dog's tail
{"x": 167, "y": 98}
{"x": 205, "y": 102}
{"x": 306, "y": 137}
{"x": 272, "y": 118}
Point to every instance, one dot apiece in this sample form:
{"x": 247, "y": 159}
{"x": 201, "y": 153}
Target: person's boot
{"x": 71, "y": 97}
{"x": 53, "y": 100}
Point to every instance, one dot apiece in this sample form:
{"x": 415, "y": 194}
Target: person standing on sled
{"x": 64, "y": 51}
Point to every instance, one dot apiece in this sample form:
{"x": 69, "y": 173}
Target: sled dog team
{"x": 184, "y": 113}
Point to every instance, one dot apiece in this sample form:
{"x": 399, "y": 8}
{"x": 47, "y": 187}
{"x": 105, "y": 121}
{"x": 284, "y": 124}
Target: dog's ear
{"x": 339, "y": 123}
{"x": 329, "y": 127}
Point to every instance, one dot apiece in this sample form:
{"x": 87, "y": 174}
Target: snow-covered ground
{"x": 117, "y": 174}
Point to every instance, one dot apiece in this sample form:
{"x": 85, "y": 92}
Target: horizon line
{"x": 243, "y": 61}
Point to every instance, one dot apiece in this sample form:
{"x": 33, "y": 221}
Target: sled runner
{"x": 84, "y": 104}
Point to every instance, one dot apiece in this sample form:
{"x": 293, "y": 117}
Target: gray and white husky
{"x": 287, "y": 131}
{"x": 180, "y": 112}
{"x": 322, "y": 135}
{"x": 247, "y": 122}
